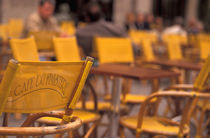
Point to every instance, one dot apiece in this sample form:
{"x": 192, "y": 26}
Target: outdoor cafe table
{"x": 125, "y": 71}
{"x": 181, "y": 64}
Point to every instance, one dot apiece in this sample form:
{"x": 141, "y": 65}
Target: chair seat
{"x": 102, "y": 106}
{"x": 85, "y": 116}
{"x": 131, "y": 98}
{"x": 153, "y": 125}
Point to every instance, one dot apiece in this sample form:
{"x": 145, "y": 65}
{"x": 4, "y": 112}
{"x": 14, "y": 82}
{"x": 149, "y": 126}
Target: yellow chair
{"x": 15, "y": 28}
{"x": 66, "y": 49}
{"x": 204, "y": 49}
{"x": 157, "y": 125}
{"x": 200, "y": 84}
{"x": 24, "y": 49}
{"x": 138, "y": 36}
{"x": 200, "y": 81}
{"x": 30, "y": 87}
{"x": 4, "y": 32}
{"x": 114, "y": 50}
{"x": 118, "y": 51}
{"x": 68, "y": 27}
{"x": 174, "y": 50}
{"x": 147, "y": 50}
{"x": 182, "y": 40}
{"x": 44, "y": 39}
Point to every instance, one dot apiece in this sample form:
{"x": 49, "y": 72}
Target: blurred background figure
{"x": 158, "y": 24}
{"x": 63, "y": 13}
{"x": 42, "y": 19}
{"x": 96, "y": 27}
{"x": 176, "y": 28}
{"x": 192, "y": 27}
{"x": 130, "y": 21}
{"x": 149, "y": 22}
{"x": 140, "y": 22}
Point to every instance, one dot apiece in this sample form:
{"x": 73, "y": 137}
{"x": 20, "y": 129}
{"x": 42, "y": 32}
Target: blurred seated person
{"x": 176, "y": 28}
{"x": 96, "y": 27}
{"x": 149, "y": 23}
{"x": 43, "y": 19}
{"x": 130, "y": 21}
{"x": 158, "y": 24}
{"x": 193, "y": 27}
{"x": 140, "y": 22}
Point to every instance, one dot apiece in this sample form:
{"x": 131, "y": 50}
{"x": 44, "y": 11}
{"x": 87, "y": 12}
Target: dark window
{"x": 169, "y": 9}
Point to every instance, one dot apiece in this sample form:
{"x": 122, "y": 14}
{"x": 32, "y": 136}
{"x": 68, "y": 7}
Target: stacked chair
{"x": 30, "y": 87}
{"x": 26, "y": 50}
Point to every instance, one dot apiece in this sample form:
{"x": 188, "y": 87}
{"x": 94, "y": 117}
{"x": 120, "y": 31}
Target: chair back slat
{"x": 147, "y": 48}
{"x": 114, "y": 50}
{"x": 174, "y": 50}
{"x": 24, "y": 49}
{"x": 66, "y": 49}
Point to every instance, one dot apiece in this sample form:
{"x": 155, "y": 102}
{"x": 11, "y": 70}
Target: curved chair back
{"x": 138, "y": 36}
{"x": 178, "y": 38}
{"x": 24, "y": 49}
{"x": 44, "y": 39}
{"x": 15, "y": 28}
{"x": 37, "y": 84}
{"x": 174, "y": 50}
{"x": 114, "y": 50}
{"x": 66, "y": 49}
{"x": 68, "y": 27}
{"x": 30, "y": 87}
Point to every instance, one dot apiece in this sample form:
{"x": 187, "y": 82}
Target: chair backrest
{"x": 66, "y": 49}
{"x": 24, "y": 49}
{"x": 174, "y": 50}
{"x": 138, "y": 36}
{"x": 4, "y": 31}
{"x": 190, "y": 103}
{"x": 68, "y": 27}
{"x": 15, "y": 28}
{"x": 147, "y": 49}
{"x": 44, "y": 39}
{"x": 178, "y": 38}
{"x": 114, "y": 50}
{"x": 203, "y": 76}
{"x": 204, "y": 49}
{"x": 43, "y": 86}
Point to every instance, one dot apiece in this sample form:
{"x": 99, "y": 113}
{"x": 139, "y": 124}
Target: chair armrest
{"x": 38, "y": 131}
{"x": 181, "y": 87}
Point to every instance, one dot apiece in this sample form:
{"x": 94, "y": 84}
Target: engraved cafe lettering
{"x": 51, "y": 81}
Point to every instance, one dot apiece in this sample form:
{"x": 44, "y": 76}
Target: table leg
{"x": 115, "y": 106}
